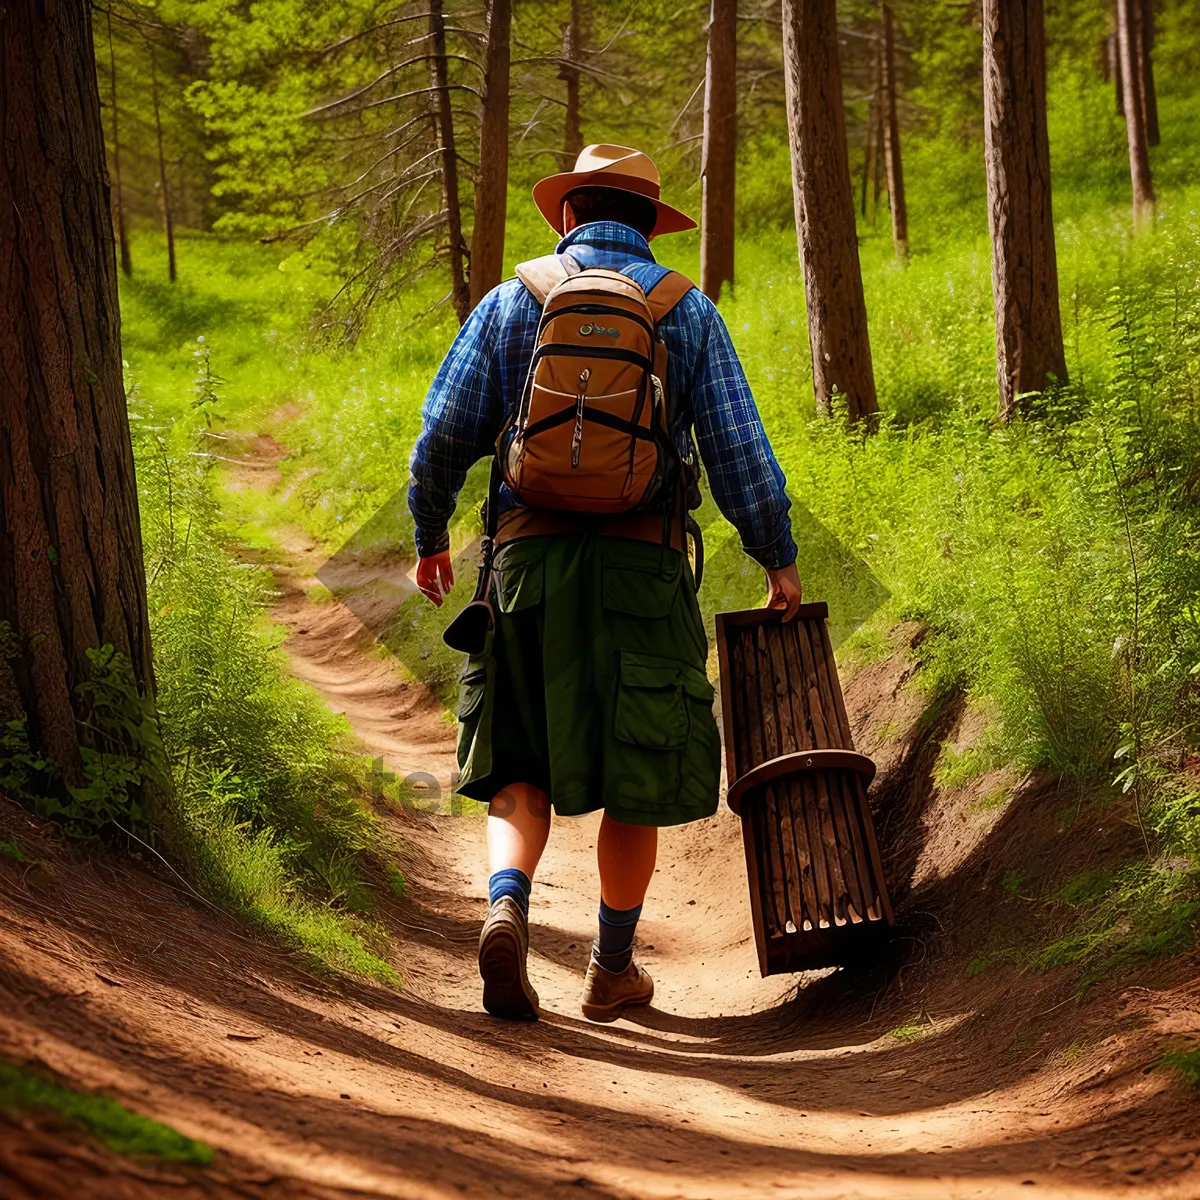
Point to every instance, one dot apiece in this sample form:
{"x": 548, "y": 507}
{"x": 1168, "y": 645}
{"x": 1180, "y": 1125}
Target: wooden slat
{"x": 847, "y": 837}
{"x": 824, "y": 686}
{"x": 833, "y": 862}
{"x": 866, "y": 871}
{"x": 751, "y": 817}
{"x": 745, "y": 664}
{"x": 786, "y": 742}
{"x": 770, "y": 748}
{"x": 822, "y": 879}
{"x": 785, "y": 661}
{"x": 868, "y": 821}
{"x": 835, "y": 686}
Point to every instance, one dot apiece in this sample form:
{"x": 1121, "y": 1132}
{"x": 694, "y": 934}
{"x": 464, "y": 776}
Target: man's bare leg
{"x": 625, "y": 855}
{"x": 518, "y": 826}
{"x": 517, "y": 829}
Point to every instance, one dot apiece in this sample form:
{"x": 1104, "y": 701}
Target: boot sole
{"x": 507, "y": 993}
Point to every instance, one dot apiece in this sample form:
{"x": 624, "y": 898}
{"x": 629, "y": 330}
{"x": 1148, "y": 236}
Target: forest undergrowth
{"x": 1055, "y": 560}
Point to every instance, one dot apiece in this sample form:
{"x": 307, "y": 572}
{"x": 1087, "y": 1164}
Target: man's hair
{"x": 612, "y": 204}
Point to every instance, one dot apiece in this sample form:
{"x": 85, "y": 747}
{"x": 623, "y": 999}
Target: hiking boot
{"x": 606, "y": 993}
{"x": 503, "y": 946}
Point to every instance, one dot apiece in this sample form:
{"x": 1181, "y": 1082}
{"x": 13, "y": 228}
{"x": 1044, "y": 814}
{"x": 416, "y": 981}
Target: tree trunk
{"x": 1129, "y": 20}
{"x": 719, "y": 158}
{"x": 837, "y": 313}
{"x": 891, "y": 143}
{"x": 1112, "y": 53}
{"x": 491, "y": 186}
{"x": 164, "y": 194}
{"x": 569, "y": 74}
{"x": 118, "y": 193}
{"x": 444, "y": 118}
{"x": 71, "y": 576}
{"x": 1029, "y": 342}
{"x": 1146, "y": 72}
{"x": 870, "y": 149}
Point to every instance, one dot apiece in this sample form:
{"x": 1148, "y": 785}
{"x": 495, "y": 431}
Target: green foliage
{"x": 1187, "y": 1063}
{"x": 121, "y": 752}
{"x": 12, "y": 850}
{"x": 1129, "y": 917}
{"x": 268, "y": 789}
{"x": 121, "y": 1130}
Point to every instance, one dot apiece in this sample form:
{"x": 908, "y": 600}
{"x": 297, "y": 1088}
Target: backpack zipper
{"x": 577, "y": 437}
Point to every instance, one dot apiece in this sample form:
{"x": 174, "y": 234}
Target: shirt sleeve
{"x": 746, "y": 480}
{"x": 460, "y": 420}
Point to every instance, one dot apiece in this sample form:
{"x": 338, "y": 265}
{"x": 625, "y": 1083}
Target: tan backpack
{"x": 591, "y": 431}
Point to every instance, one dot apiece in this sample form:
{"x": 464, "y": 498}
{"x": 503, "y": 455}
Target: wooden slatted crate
{"x": 817, "y": 890}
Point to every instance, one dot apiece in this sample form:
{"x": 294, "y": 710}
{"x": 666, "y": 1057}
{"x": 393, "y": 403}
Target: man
{"x": 592, "y": 693}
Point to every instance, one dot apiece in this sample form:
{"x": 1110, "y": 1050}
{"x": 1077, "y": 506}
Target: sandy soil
{"x": 917, "y": 1081}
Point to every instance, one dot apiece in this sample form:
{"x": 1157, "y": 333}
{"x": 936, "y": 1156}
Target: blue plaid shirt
{"x": 482, "y": 375}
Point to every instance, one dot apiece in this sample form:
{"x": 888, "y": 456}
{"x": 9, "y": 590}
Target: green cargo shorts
{"x": 593, "y": 687}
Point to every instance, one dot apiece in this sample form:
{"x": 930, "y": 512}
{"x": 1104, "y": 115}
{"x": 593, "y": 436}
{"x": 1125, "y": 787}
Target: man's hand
{"x": 784, "y": 590}
{"x": 435, "y": 576}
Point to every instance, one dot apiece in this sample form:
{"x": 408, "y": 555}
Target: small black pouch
{"x": 469, "y": 630}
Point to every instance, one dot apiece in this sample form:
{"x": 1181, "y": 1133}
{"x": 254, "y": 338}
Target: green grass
{"x": 993, "y": 800}
{"x": 1187, "y": 1064}
{"x": 117, "y": 1127}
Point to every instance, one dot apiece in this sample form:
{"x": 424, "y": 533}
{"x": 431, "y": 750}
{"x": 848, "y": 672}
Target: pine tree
{"x": 1029, "y": 342}
{"x": 71, "y": 574}
{"x": 569, "y": 74}
{"x": 891, "y": 140}
{"x": 491, "y": 184}
{"x": 719, "y": 161}
{"x": 1130, "y": 40}
{"x": 837, "y": 312}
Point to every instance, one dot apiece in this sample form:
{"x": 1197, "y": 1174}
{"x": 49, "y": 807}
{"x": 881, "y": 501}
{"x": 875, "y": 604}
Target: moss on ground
{"x": 121, "y": 1130}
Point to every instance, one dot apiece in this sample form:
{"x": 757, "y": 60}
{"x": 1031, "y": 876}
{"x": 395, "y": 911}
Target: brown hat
{"x": 608, "y": 166}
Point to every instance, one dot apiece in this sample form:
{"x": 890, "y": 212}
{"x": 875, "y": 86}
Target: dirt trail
{"x": 729, "y": 1086}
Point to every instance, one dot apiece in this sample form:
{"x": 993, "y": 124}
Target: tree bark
{"x": 1129, "y": 20}
{"x": 719, "y": 157}
{"x": 444, "y": 122}
{"x": 891, "y": 142}
{"x": 491, "y": 186}
{"x": 71, "y": 575}
{"x": 1029, "y": 342}
{"x": 870, "y": 149}
{"x": 164, "y": 194}
{"x": 569, "y": 74}
{"x": 837, "y": 313}
{"x": 1112, "y": 57}
{"x": 1146, "y": 72}
{"x": 118, "y": 192}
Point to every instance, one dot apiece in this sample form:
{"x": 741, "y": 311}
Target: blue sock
{"x": 614, "y": 948}
{"x": 510, "y": 882}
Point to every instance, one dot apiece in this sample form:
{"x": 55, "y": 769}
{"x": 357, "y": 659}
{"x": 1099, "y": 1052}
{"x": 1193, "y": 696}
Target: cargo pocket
{"x": 671, "y": 768}
{"x": 650, "y": 703}
{"x": 519, "y": 572}
{"x": 472, "y": 697}
{"x": 641, "y": 584}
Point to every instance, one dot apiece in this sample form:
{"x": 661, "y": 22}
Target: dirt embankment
{"x": 924, "y": 1078}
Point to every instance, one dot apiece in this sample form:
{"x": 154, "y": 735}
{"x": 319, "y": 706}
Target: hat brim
{"x": 549, "y": 194}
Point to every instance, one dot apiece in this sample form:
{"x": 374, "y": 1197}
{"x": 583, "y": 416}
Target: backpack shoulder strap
{"x": 667, "y": 293}
{"x": 542, "y": 275}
